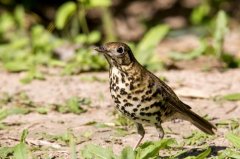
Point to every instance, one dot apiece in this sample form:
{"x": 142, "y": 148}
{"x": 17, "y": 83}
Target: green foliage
{"x": 7, "y": 23}
{"x": 20, "y": 103}
{"x": 120, "y": 120}
{"x": 202, "y": 155}
{"x": 97, "y": 152}
{"x": 145, "y": 50}
{"x": 85, "y": 61}
{"x": 65, "y": 138}
{"x": 91, "y": 38}
{"x": 232, "y": 97}
{"x": 151, "y": 149}
{"x": 229, "y": 153}
{"x": 196, "y": 138}
{"x": 220, "y": 31}
{"x": 19, "y": 15}
{"x": 145, "y": 151}
{"x": 36, "y": 49}
{"x": 72, "y": 144}
{"x": 234, "y": 139}
{"x": 200, "y": 12}
{"x": 5, "y": 152}
{"x": 203, "y": 13}
{"x": 73, "y": 105}
{"x": 127, "y": 153}
{"x": 32, "y": 50}
{"x": 64, "y": 13}
{"x": 95, "y": 3}
{"x": 19, "y": 151}
{"x": 220, "y": 26}
{"x": 71, "y": 17}
{"x": 12, "y": 111}
{"x": 231, "y": 124}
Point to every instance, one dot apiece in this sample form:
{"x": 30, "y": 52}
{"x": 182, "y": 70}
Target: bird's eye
{"x": 120, "y": 50}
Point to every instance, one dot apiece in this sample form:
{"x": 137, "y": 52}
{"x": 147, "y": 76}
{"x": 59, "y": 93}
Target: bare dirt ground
{"x": 196, "y": 88}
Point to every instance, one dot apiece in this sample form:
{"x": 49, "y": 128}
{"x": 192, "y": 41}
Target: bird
{"x": 141, "y": 96}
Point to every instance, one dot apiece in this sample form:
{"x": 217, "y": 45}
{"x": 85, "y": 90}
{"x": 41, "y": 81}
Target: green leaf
{"x": 196, "y": 138}
{"x": 151, "y": 149}
{"x": 232, "y": 97}
{"x": 72, "y": 144}
{"x": 74, "y": 105}
{"x": 229, "y": 153}
{"x": 127, "y": 153}
{"x": 81, "y": 38}
{"x": 31, "y": 75}
{"x": 20, "y": 16}
{"x": 42, "y": 110}
{"x": 153, "y": 37}
{"x": 16, "y": 66}
{"x": 229, "y": 123}
{"x": 234, "y": 139}
{"x": 3, "y": 114}
{"x": 16, "y": 110}
{"x": 24, "y": 135}
{"x": 94, "y": 37}
{"x": 95, "y": 3}
{"x": 145, "y": 49}
{"x": 64, "y": 12}
{"x": 230, "y": 60}
{"x": 199, "y": 13}
{"x": 5, "y": 152}
{"x": 220, "y": 30}
{"x": 6, "y": 22}
{"x": 94, "y": 151}
{"x": 204, "y": 154}
{"x": 20, "y": 150}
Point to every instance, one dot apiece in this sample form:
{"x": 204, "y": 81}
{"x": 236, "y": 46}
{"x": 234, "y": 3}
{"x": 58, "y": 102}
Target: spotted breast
{"x": 137, "y": 97}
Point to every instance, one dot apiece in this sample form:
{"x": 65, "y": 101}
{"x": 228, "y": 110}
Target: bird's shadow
{"x": 196, "y": 151}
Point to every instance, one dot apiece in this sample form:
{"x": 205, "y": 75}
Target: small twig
{"x": 32, "y": 125}
{"x": 43, "y": 143}
{"x": 103, "y": 130}
{"x": 36, "y": 142}
{"x": 9, "y": 138}
{"x": 232, "y": 109}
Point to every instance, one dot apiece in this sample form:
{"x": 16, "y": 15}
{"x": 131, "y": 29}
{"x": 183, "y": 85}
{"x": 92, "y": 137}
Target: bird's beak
{"x": 100, "y": 49}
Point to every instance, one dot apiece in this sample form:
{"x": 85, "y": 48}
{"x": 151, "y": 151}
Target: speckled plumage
{"x": 141, "y": 96}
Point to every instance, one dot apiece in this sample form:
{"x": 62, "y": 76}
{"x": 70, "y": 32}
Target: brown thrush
{"x": 143, "y": 97}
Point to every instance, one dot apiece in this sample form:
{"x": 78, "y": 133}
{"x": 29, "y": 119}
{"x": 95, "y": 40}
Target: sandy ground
{"x": 196, "y": 88}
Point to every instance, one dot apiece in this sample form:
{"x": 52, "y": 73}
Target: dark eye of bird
{"x": 120, "y": 50}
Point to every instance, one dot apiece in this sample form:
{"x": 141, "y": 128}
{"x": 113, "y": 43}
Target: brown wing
{"x": 171, "y": 98}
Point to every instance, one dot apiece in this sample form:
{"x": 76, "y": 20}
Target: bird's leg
{"x": 141, "y": 132}
{"x": 160, "y": 130}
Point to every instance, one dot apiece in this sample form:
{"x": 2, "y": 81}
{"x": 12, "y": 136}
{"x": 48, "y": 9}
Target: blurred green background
{"x": 39, "y": 35}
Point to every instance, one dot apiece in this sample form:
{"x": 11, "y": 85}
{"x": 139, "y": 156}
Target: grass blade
{"x": 234, "y": 139}
{"x": 232, "y": 97}
{"x": 204, "y": 154}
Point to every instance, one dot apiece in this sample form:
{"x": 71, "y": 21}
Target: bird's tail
{"x": 201, "y": 123}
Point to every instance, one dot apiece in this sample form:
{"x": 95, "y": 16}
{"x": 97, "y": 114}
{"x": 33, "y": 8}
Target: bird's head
{"x": 117, "y": 54}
